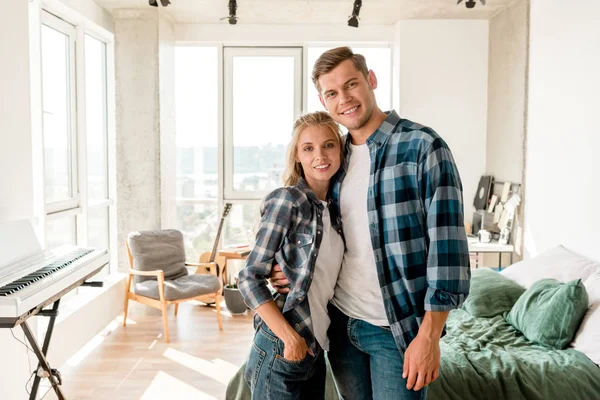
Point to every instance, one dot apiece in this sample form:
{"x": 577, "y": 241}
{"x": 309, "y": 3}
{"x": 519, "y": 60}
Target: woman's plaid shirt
{"x": 415, "y": 208}
{"x": 289, "y": 234}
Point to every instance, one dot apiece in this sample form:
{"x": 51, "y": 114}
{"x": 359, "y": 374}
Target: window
{"x": 59, "y": 117}
{"x": 96, "y": 134}
{"x": 197, "y": 135}
{"x": 78, "y": 200}
{"x": 263, "y": 96}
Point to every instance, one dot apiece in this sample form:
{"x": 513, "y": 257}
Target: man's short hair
{"x": 334, "y": 57}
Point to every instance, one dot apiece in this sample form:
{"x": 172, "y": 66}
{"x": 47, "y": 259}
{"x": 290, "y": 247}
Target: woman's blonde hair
{"x": 293, "y": 171}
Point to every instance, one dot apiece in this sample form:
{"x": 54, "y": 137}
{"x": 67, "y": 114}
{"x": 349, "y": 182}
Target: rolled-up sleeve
{"x": 448, "y": 270}
{"x": 277, "y": 216}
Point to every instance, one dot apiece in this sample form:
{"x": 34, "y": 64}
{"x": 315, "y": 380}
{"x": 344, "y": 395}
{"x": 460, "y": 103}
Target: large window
{"x": 235, "y": 108}
{"x": 197, "y": 126}
{"x": 78, "y": 201}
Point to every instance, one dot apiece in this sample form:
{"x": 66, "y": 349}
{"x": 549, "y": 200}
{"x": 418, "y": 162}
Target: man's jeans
{"x": 272, "y": 377}
{"x": 365, "y": 361}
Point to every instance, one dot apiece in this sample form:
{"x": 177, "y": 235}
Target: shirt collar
{"x": 385, "y": 129}
{"x": 303, "y": 186}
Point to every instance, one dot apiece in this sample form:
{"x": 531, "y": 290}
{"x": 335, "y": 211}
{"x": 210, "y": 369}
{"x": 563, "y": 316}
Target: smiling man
{"x": 406, "y": 264}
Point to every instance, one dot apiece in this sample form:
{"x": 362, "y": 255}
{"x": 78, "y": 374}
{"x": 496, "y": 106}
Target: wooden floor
{"x": 134, "y": 362}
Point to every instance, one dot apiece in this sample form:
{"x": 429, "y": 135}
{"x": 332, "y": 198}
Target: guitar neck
{"x": 213, "y": 253}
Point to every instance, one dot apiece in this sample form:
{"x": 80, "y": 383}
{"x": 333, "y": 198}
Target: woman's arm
{"x": 295, "y": 347}
{"x": 277, "y": 218}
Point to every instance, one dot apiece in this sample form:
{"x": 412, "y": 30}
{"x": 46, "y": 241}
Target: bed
{"x": 484, "y": 356}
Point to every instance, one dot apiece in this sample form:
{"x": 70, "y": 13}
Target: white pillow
{"x": 587, "y": 338}
{"x": 557, "y": 263}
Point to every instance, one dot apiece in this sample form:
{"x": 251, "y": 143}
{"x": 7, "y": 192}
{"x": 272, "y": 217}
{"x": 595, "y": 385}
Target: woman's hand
{"x": 295, "y": 349}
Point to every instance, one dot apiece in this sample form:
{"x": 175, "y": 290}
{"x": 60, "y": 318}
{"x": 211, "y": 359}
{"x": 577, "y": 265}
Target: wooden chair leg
{"x": 165, "y": 321}
{"x": 218, "y": 306}
{"x": 176, "y": 308}
{"x": 126, "y": 308}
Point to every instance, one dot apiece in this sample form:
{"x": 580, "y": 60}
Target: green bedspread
{"x": 487, "y": 359}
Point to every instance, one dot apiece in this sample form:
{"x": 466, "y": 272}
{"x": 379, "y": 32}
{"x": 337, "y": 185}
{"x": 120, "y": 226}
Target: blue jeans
{"x": 272, "y": 377}
{"x": 365, "y": 361}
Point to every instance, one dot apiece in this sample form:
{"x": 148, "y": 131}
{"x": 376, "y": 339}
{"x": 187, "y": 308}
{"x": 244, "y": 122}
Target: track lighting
{"x": 164, "y": 3}
{"x": 471, "y": 3}
{"x": 232, "y": 11}
{"x": 353, "y": 20}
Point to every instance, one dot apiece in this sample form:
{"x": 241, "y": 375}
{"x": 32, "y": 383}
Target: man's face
{"x": 348, "y": 95}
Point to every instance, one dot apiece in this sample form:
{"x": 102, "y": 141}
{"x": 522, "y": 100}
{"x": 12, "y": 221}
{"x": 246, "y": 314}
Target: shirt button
{"x": 301, "y": 298}
{"x": 318, "y": 232}
{"x": 299, "y": 242}
{"x": 297, "y": 326}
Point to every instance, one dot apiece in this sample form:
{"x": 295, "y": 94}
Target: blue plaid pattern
{"x": 416, "y": 223}
{"x": 289, "y": 234}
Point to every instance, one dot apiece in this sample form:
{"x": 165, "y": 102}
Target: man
{"x": 406, "y": 264}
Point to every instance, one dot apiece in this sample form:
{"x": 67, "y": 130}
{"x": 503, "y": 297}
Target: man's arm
{"x": 448, "y": 272}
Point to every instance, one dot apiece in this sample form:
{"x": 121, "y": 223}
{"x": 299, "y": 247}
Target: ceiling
{"x": 373, "y": 12}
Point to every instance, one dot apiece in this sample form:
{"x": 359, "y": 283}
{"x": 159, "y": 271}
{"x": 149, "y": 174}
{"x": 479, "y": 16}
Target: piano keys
{"x": 32, "y": 278}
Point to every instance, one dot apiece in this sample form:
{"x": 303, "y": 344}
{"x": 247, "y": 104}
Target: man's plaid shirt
{"x": 416, "y": 224}
{"x": 289, "y": 234}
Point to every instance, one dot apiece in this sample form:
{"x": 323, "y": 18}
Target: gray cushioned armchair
{"x": 160, "y": 276}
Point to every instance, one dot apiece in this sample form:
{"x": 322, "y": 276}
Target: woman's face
{"x": 319, "y": 153}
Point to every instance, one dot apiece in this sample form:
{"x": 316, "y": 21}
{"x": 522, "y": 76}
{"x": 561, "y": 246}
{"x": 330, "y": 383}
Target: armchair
{"x": 160, "y": 277}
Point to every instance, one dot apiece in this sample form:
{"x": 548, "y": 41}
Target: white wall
{"x": 16, "y": 186}
{"x": 443, "y": 85}
{"x": 563, "y": 134}
{"x": 168, "y": 153}
{"x": 16, "y": 181}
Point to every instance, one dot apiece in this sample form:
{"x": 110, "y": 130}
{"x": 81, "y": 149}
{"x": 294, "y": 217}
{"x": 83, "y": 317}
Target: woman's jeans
{"x": 272, "y": 377}
{"x": 365, "y": 361}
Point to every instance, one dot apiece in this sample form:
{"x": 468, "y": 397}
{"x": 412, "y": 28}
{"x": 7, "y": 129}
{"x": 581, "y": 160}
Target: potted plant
{"x": 233, "y": 298}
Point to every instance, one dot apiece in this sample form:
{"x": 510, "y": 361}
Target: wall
{"x": 168, "y": 154}
{"x": 16, "y": 181}
{"x": 506, "y": 93}
{"x": 137, "y": 123}
{"x": 16, "y": 200}
{"x": 562, "y": 163}
{"x": 443, "y": 84}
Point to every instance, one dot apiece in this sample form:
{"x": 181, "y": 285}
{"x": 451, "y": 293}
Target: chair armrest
{"x": 213, "y": 267}
{"x": 158, "y": 273}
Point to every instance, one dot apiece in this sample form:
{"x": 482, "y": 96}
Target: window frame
{"x": 228, "y": 54}
{"x": 69, "y": 30}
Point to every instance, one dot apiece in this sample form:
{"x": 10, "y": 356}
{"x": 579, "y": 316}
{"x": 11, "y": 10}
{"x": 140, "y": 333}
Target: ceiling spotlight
{"x": 232, "y": 10}
{"x": 154, "y": 3}
{"x": 353, "y": 19}
{"x": 471, "y": 3}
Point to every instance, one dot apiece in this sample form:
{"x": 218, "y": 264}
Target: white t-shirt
{"x": 357, "y": 293}
{"x": 327, "y": 269}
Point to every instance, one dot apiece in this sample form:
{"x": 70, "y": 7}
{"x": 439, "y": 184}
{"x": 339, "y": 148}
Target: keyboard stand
{"x": 52, "y": 374}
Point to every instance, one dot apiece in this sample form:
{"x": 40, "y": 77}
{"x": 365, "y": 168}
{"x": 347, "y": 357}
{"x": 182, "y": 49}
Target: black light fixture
{"x": 353, "y": 20}
{"x": 232, "y": 10}
{"x": 471, "y": 3}
{"x": 154, "y": 3}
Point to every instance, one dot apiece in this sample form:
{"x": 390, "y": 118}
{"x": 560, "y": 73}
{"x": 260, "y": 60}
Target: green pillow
{"x": 491, "y": 294}
{"x": 549, "y": 312}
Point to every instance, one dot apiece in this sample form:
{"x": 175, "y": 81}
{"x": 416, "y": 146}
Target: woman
{"x": 286, "y": 360}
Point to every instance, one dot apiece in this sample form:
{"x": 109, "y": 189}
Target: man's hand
{"x": 421, "y": 362}
{"x": 278, "y": 280}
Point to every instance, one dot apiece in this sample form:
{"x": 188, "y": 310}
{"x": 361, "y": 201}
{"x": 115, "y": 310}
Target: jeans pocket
{"x": 255, "y": 361}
